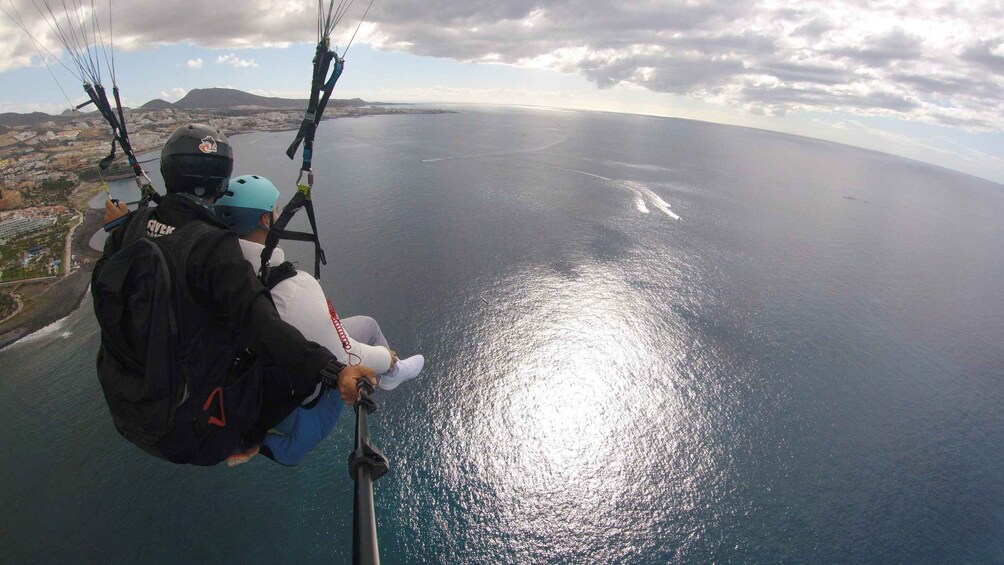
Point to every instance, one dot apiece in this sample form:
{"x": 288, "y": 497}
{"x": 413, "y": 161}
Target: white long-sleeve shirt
{"x": 301, "y": 303}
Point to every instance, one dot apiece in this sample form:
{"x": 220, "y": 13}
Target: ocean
{"x": 648, "y": 340}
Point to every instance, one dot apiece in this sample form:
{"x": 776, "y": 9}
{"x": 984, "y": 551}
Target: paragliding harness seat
{"x": 177, "y": 381}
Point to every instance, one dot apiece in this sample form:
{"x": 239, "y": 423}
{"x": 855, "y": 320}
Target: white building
{"x": 17, "y": 226}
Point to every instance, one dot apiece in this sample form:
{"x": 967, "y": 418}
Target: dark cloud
{"x": 822, "y": 98}
{"x": 943, "y": 86}
{"x": 983, "y": 55}
{"x": 880, "y": 51}
{"x": 807, "y": 73}
{"x": 813, "y": 29}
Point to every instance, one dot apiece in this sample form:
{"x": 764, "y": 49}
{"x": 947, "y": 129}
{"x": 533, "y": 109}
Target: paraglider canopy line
{"x": 38, "y": 49}
{"x": 346, "y": 52}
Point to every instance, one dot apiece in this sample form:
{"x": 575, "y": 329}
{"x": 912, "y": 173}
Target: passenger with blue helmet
{"x": 248, "y": 207}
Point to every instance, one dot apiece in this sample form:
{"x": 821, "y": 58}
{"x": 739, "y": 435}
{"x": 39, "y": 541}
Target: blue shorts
{"x": 303, "y": 429}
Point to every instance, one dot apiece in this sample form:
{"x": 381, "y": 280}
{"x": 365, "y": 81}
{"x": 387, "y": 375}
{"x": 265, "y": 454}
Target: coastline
{"x": 58, "y": 299}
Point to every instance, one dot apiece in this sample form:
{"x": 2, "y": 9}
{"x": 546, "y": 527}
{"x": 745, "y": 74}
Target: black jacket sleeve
{"x": 225, "y": 281}
{"x": 112, "y": 244}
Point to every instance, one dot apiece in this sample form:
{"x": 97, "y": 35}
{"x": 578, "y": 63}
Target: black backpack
{"x": 177, "y": 380}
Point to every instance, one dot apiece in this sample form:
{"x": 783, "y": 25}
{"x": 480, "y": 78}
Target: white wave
{"x": 44, "y": 333}
{"x": 56, "y": 326}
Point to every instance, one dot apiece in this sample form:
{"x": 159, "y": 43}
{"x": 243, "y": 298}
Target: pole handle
{"x": 365, "y": 388}
{"x": 370, "y": 456}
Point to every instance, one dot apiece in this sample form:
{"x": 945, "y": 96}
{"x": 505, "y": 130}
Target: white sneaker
{"x": 403, "y": 370}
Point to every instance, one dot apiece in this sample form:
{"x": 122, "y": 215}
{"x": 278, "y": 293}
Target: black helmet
{"x": 197, "y": 159}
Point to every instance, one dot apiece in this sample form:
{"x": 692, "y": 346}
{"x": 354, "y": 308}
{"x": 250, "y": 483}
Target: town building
{"x": 16, "y": 226}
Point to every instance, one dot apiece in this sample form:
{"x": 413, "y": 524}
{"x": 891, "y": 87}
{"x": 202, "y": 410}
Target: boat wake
{"x": 642, "y": 192}
{"x": 643, "y": 195}
{"x": 653, "y": 168}
{"x": 499, "y": 153}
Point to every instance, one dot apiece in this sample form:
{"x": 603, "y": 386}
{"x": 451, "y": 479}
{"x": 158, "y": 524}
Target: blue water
{"x": 647, "y": 340}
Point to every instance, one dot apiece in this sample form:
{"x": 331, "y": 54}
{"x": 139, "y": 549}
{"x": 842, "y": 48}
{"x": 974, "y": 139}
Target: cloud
{"x": 915, "y": 61}
{"x": 173, "y": 95}
{"x": 881, "y": 50}
{"x": 988, "y": 54}
{"x": 468, "y": 94}
{"x": 33, "y": 107}
{"x": 195, "y": 63}
{"x": 925, "y": 61}
{"x": 235, "y": 61}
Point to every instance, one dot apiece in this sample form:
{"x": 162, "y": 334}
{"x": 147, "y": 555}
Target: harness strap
{"x": 276, "y": 275}
{"x": 277, "y": 231}
{"x": 319, "y": 258}
{"x": 296, "y": 235}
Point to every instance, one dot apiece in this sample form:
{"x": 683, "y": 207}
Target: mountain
{"x": 156, "y": 104}
{"x": 229, "y": 98}
{"x": 198, "y": 99}
{"x": 342, "y": 102}
{"x": 15, "y": 119}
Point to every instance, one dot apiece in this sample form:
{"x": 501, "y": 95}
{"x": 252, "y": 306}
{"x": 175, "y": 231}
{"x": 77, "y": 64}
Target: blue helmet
{"x": 247, "y": 197}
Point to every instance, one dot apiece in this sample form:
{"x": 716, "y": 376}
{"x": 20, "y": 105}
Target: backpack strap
{"x": 191, "y": 235}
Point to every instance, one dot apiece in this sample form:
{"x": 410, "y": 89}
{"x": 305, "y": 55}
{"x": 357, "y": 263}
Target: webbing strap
{"x": 296, "y": 235}
{"x": 321, "y": 87}
{"x": 277, "y": 231}
{"x": 319, "y": 257}
{"x": 125, "y": 132}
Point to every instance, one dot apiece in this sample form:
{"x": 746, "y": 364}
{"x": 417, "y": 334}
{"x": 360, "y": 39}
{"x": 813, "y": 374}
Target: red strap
{"x": 222, "y": 420}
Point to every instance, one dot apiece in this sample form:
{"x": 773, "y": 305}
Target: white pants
{"x": 365, "y": 330}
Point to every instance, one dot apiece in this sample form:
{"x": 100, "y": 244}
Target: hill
{"x": 15, "y": 119}
{"x": 229, "y": 98}
{"x": 156, "y": 104}
{"x": 197, "y": 99}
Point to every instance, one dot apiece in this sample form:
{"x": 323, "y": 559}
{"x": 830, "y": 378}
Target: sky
{"x": 919, "y": 79}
